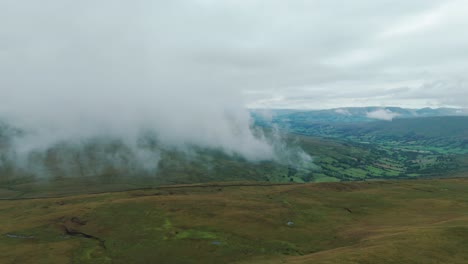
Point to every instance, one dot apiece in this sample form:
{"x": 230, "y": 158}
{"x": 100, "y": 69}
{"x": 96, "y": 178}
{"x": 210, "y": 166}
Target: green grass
{"x": 195, "y": 234}
{"x": 421, "y": 221}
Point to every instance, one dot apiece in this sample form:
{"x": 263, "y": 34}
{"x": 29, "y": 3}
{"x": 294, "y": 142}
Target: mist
{"x": 382, "y": 114}
{"x": 82, "y": 74}
{"x": 117, "y": 82}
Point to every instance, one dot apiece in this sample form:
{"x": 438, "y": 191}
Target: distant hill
{"x": 404, "y": 147}
{"x": 445, "y": 128}
{"x": 449, "y": 127}
{"x": 349, "y": 114}
{"x": 445, "y": 133}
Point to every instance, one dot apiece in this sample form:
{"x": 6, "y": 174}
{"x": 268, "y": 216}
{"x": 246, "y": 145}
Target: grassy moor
{"x": 415, "y": 221}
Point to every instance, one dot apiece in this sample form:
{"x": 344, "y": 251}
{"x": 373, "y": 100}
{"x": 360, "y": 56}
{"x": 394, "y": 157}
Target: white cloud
{"x": 74, "y": 70}
{"x": 183, "y": 66}
{"x": 382, "y": 114}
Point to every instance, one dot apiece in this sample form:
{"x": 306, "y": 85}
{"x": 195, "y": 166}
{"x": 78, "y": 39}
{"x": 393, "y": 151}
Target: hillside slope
{"x": 361, "y": 222}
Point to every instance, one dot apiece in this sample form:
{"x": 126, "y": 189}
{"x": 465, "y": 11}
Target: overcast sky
{"x": 271, "y": 53}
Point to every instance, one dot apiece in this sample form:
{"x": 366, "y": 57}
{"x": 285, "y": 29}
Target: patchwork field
{"x": 413, "y": 221}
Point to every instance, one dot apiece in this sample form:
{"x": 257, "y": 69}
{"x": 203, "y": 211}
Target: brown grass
{"x": 368, "y": 222}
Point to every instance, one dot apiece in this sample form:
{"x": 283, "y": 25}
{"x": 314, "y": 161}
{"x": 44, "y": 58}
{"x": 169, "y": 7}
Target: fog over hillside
{"x": 121, "y": 86}
{"x": 70, "y": 74}
{"x": 182, "y": 72}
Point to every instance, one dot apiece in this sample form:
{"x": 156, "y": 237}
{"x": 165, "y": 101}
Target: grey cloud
{"x": 186, "y": 65}
{"x": 80, "y": 69}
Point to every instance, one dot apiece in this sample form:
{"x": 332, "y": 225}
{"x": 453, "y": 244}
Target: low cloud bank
{"x": 78, "y": 74}
{"x": 382, "y": 114}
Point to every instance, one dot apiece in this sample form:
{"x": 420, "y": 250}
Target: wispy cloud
{"x": 382, "y": 114}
